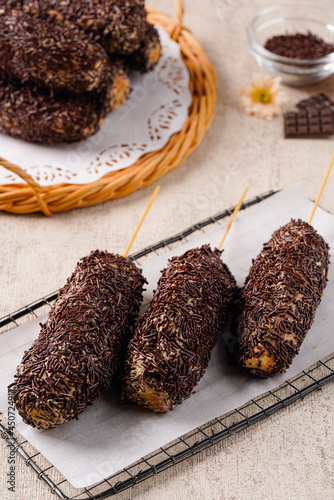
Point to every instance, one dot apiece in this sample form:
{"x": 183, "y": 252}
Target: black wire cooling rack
{"x": 314, "y": 378}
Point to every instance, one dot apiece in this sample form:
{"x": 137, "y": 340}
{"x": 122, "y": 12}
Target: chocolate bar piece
{"x": 315, "y": 118}
{"x": 318, "y": 101}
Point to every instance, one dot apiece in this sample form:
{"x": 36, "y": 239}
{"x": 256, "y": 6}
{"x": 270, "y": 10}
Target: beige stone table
{"x": 289, "y": 455}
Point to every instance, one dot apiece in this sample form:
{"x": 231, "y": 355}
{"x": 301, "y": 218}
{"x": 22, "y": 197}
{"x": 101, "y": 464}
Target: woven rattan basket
{"x": 31, "y": 197}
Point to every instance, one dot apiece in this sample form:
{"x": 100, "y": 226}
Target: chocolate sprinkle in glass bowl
{"x": 289, "y": 20}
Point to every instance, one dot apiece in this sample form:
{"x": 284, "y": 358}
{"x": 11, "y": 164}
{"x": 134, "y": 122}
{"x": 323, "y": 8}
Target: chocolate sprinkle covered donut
{"x": 34, "y": 115}
{"x": 119, "y": 25}
{"x": 279, "y": 299}
{"x": 146, "y": 57}
{"x": 172, "y": 344}
{"x": 37, "y": 51}
{"x": 116, "y": 85}
{"x": 78, "y": 348}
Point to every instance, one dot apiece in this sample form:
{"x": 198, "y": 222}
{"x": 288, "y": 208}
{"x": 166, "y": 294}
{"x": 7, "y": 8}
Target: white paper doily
{"x": 156, "y": 109}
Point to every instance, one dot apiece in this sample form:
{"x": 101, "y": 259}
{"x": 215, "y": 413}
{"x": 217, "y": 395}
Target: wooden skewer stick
{"x": 322, "y": 188}
{"x": 155, "y": 192}
{"x": 235, "y": 211}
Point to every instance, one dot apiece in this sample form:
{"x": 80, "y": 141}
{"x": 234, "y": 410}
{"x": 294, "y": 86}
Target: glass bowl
{"x": 292, "y": 19}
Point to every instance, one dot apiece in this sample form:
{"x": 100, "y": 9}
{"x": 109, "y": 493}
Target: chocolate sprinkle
{"x": 78, "y": 348}
{"x": 299, "y": 46}
{"x": 173, "y": 341}
{"x": 279, "y": 299}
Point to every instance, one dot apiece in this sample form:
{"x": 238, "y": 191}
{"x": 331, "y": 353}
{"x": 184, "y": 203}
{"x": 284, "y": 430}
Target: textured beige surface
{"x": 290, "y": 455}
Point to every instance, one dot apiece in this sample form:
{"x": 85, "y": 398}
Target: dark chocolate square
{"x": 315, "y": 128}
{"x": 327, "y": 128}
{"x": 315, "y": 118}
{"x": 302, "y": 129}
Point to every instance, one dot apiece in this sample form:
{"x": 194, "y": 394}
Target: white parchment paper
{"x": 109, "y": 436}
{"x": 156, "y": 109}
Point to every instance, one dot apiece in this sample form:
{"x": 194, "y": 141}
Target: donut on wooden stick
{"x": 172, "y": 344}
{"x": 80, "y": 345}
{"x": 280, "y": 296}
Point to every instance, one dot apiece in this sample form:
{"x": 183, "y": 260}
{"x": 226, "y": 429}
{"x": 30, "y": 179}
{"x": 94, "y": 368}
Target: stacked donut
{"x": 65, "y": 65}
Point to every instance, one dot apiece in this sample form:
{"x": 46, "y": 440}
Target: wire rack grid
{"x": 222, "y": 427}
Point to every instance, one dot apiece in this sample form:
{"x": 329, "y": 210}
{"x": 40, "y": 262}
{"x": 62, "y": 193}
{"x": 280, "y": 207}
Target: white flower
{"x": 262, "y": 97}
